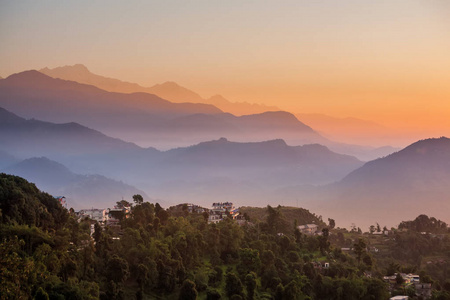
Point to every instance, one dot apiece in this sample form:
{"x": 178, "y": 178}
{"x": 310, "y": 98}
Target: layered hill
{"x": 33, "y": 94}
{"x": 140, "y": 117}
{"x": 165, "y": 133}
{"x": 167, "y": 90}
{"x": 413, "y": 181}
{"x": 209, "y": 170}
{"x": 81, "y": 191}
{"x": 32, "y": 137}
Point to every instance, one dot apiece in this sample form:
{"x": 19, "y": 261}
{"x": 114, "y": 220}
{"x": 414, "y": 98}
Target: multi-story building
{"x": 96, "y": 214}
{"x": 220, "y": 210}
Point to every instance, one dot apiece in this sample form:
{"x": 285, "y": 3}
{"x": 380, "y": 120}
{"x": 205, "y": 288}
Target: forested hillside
{"x": 46, "y": 253}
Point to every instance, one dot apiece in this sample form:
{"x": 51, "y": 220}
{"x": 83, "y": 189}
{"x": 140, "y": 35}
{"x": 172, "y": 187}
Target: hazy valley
{"x": 199, "y": 153}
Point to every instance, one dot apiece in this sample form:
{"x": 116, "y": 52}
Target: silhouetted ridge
{"x": 422, "y": 157}
{"x": 35, "y": 79}
{"x": 43, "y": 164}
{"x": 79, "y": 190}
{"x": 8, "y": 117}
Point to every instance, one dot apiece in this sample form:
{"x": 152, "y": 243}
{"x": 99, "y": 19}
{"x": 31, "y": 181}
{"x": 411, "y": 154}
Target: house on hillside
{"x": 116, "y": 214}
{"x": 221, "y": 210}
{"x": 309, "y": 229}
{"x": 96, "y": 214}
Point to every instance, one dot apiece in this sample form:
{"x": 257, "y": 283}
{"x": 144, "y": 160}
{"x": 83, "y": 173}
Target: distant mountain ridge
{"x": 207, "y": 127}
{"x": 44, "y": 138}
{"x": 79, "y": 190}
{"x": 142, "y": 117}
{"x": 168, "y": 90}
{"x": 217, "y": 168}
{"x": 412, "y": 181}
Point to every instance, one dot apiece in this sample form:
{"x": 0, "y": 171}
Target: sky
{"x": 386, "y": 61}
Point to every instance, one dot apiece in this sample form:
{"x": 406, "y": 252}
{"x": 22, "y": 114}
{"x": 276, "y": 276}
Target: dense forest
{"x": 47, "y": 252}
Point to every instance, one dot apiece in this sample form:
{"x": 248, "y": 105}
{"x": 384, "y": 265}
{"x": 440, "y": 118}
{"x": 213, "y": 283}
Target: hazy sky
{"x": 380, "y": 60}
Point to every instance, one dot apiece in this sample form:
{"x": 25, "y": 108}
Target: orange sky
{"x": 386, "y": 61}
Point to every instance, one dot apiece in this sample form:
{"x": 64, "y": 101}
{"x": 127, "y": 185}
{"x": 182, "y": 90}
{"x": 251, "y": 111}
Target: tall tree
{"x": 359, "y": 248}
{"x": 188, "y": 291}
{"x": 138, "y": 199}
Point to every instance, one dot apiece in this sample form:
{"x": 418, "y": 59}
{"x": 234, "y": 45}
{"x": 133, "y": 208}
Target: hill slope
{"x": 81, "y": 191}
{"x": 219, "y": 168}
{"x": 291, "y": 214}
{"x": 413, "y": 181}
{"x": 27, "y": 138}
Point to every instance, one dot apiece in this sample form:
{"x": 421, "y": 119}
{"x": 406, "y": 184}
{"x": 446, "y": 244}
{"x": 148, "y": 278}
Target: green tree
{"x": 212, "y": 294}
{"x": 188, "y": 291}
{"x": 291, "y": 291}
{"x": 324, "y": 244}
{"x": 250, "y": 285}
{"x": 117, "y": 269}
{"x": 97, "y": 232}
{"x": 249, "y": 260}
{"x": 279, "y": 292}
{"x": 123, "y": 204}
{"x": 331, "y": 223}
{"x": 138, "y": 199}
{"x": 359, "y": 248}
{"x": 233, "y": 285}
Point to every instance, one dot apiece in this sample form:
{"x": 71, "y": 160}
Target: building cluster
{"x": 111, "y": 216}
{"x": 407, "y": 278}
{"x": 221, "y": 210}
{"x": 423, "y": 290}
{"x": 108, "y": 217}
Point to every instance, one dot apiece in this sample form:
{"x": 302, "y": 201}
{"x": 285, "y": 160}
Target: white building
{"x": 219, "y": 211}
{"x": 96, "y": 214}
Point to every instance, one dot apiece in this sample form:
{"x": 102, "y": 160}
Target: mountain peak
{"x": 79, "y": 67}
{"x": 172, "y": 84}
{"x": 43, "y": 164}
{"x": 172, "y": 91}
{"x": 39, "y": 80}
{"x": 31, "y": 76}
{"x": 62, "y": 72}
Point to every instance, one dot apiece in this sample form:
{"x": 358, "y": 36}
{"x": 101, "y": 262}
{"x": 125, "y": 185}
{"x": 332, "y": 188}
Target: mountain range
{"x": 154, "y": 122}
{"x": 210, "y": 166}
{"x": 140, "y": 117}
{"x": 167, "y": 90}
{"x": 345, "y": 130}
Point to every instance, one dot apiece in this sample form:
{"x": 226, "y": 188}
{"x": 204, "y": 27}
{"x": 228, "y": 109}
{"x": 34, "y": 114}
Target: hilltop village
{"x": 219, "y": 211}
{"x": 112, "y": 216}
